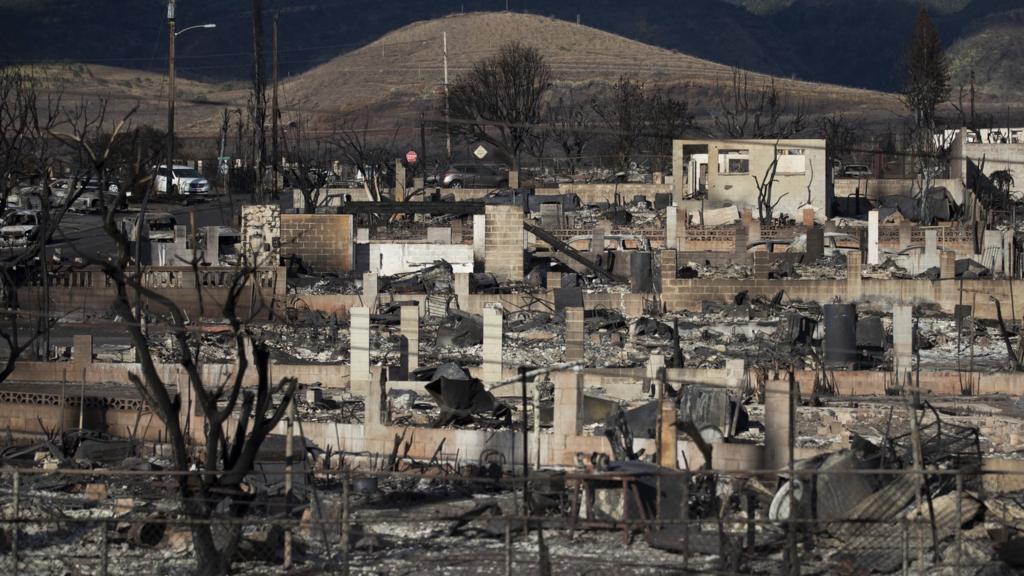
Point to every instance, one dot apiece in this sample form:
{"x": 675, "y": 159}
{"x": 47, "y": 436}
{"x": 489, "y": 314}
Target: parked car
{"x": 26, "y": 197}
{"x": 156, "y": 226}
{"x": 19, "y": 226}
{"x": 87, "y": 202}
{"x": 475, "y": 176}
{"x": 185, "y": 180}
{"x": 857, "y": 171}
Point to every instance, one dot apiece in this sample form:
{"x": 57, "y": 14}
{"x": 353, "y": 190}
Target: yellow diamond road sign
{"x": 480, "y": 152}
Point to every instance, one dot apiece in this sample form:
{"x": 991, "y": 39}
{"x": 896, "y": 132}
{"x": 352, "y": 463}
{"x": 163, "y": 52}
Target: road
{"x": 82, "y": 236}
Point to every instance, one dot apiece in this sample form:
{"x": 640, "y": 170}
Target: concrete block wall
{"x": 503, "y": 242}
{"x": 323, "y": 241}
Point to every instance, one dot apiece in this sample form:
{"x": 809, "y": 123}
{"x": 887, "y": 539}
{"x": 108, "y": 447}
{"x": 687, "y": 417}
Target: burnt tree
{"x": 234, "y": 421}
{"x": 757, "y": 110}
{"x": 500, "y": 99}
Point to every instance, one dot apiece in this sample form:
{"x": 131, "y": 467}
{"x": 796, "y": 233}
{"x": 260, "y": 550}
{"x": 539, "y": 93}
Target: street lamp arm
{"x": 183, "y": 30}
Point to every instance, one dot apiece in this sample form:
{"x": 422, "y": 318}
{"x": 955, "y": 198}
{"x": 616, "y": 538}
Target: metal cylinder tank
{"x": 641, "y": 272}
{"x": 840, "y": 335}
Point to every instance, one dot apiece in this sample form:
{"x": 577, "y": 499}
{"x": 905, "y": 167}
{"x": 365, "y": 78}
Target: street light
{"x": 171, "y": 35}
{"x": 182, "y": 31}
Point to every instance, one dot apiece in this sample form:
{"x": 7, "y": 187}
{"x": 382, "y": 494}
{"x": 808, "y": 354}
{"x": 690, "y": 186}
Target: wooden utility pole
{"x": 447, "y": 122}
{"x": 170, "y": 93}
{"x": 259, "y": 98}
{"x": 275, "y": 161}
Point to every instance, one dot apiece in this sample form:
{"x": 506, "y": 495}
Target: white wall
{"x": 389, "y": 259}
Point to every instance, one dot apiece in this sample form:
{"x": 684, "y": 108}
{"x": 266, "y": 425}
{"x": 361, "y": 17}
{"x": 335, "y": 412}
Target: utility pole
{"x": 447, "y": 123}
{"x": 170, "y": 94}
{"x": 276, "y": 160}
{"x": 423, "y": 150}
{"x": 259, "y": 98}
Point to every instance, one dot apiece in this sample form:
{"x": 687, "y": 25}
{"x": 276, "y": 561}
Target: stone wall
{"x": 261, "y": 234}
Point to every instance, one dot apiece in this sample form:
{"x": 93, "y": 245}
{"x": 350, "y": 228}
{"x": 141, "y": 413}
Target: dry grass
{"x": 400, "y": 76}
{"x": 407, "y": 65}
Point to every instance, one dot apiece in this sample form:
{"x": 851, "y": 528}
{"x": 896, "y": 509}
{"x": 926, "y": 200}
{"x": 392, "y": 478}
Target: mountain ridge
{"x": 848, "y": 42}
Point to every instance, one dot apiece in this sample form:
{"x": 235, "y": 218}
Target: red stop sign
{"x": 411, "y": 156}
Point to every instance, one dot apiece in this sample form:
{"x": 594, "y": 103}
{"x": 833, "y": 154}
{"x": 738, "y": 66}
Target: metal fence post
{"x": 905, "y": 536}
{"x": 686, "y": 519}
{"x": 344, "y": 524}
{"x": 289, "y": 470}
{"x": 508, "y": 548}
{"x": 106, "y": 550}
{"x": 959, "y": 517}
{"x": 17, "y": 525}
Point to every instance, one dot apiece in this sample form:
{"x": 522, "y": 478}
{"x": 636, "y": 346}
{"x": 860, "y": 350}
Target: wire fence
{"x": 634, "y": 517}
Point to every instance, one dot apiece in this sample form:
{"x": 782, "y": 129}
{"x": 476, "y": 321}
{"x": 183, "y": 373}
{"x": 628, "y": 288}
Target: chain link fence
{"x": 632, "y": 518}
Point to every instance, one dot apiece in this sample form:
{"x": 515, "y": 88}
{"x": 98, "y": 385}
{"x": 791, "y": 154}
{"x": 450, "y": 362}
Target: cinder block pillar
{"x": 777, "y": 399}
{"x": 902, "y": 340}
{"x": 554, "y": 280}
{"x": 672, "y": 227}
{"x": 479, "y": 237}
{"x": 375, "y": 416}
{"x": 503, "y": 242}
{"x": 370, "y": 290}
{"x": 669, "y": 265}
{"x": 762, "y": 265}
{"x": 211, "y": 249}
{"x": 513, "y": 179}
{"x": 873, "y": 238}
{"x": 947, "y": 265}
{"x": 456, "y": 224}
{"x": 597, "y": 241}
{"x": 746, "y": 217}
{"x": 668, "y": 444}
{"x": 679, "y": 184}
{"x": 1008, "y": 253}
{"x": 655, "y": 364}
{"x": 808, "y": 217}
{"x": 493, "y": 339}
{"x": 853, "y": 276}
{"x": 735, "y": 372}
{"x": 906, "y": 234}
{"x": 359, "y": 350}
{"x": 410, "y": 325}
{"x": 568, "y": 413}
{"x": 399, "y": 181}
{"x": 460, "y": 285}
{"x": 81, "y": 351}
{"x": 931, "y": 248}
{"x": 574, "y": 335}
{"x": 754, "y": 230}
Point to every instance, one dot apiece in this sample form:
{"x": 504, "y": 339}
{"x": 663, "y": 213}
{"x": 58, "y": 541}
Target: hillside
{"x": 124, "y": 89}
{"x": 994, "y": 50}
{"x": 403, "y": 71}
{"x": 848, "y": 42}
